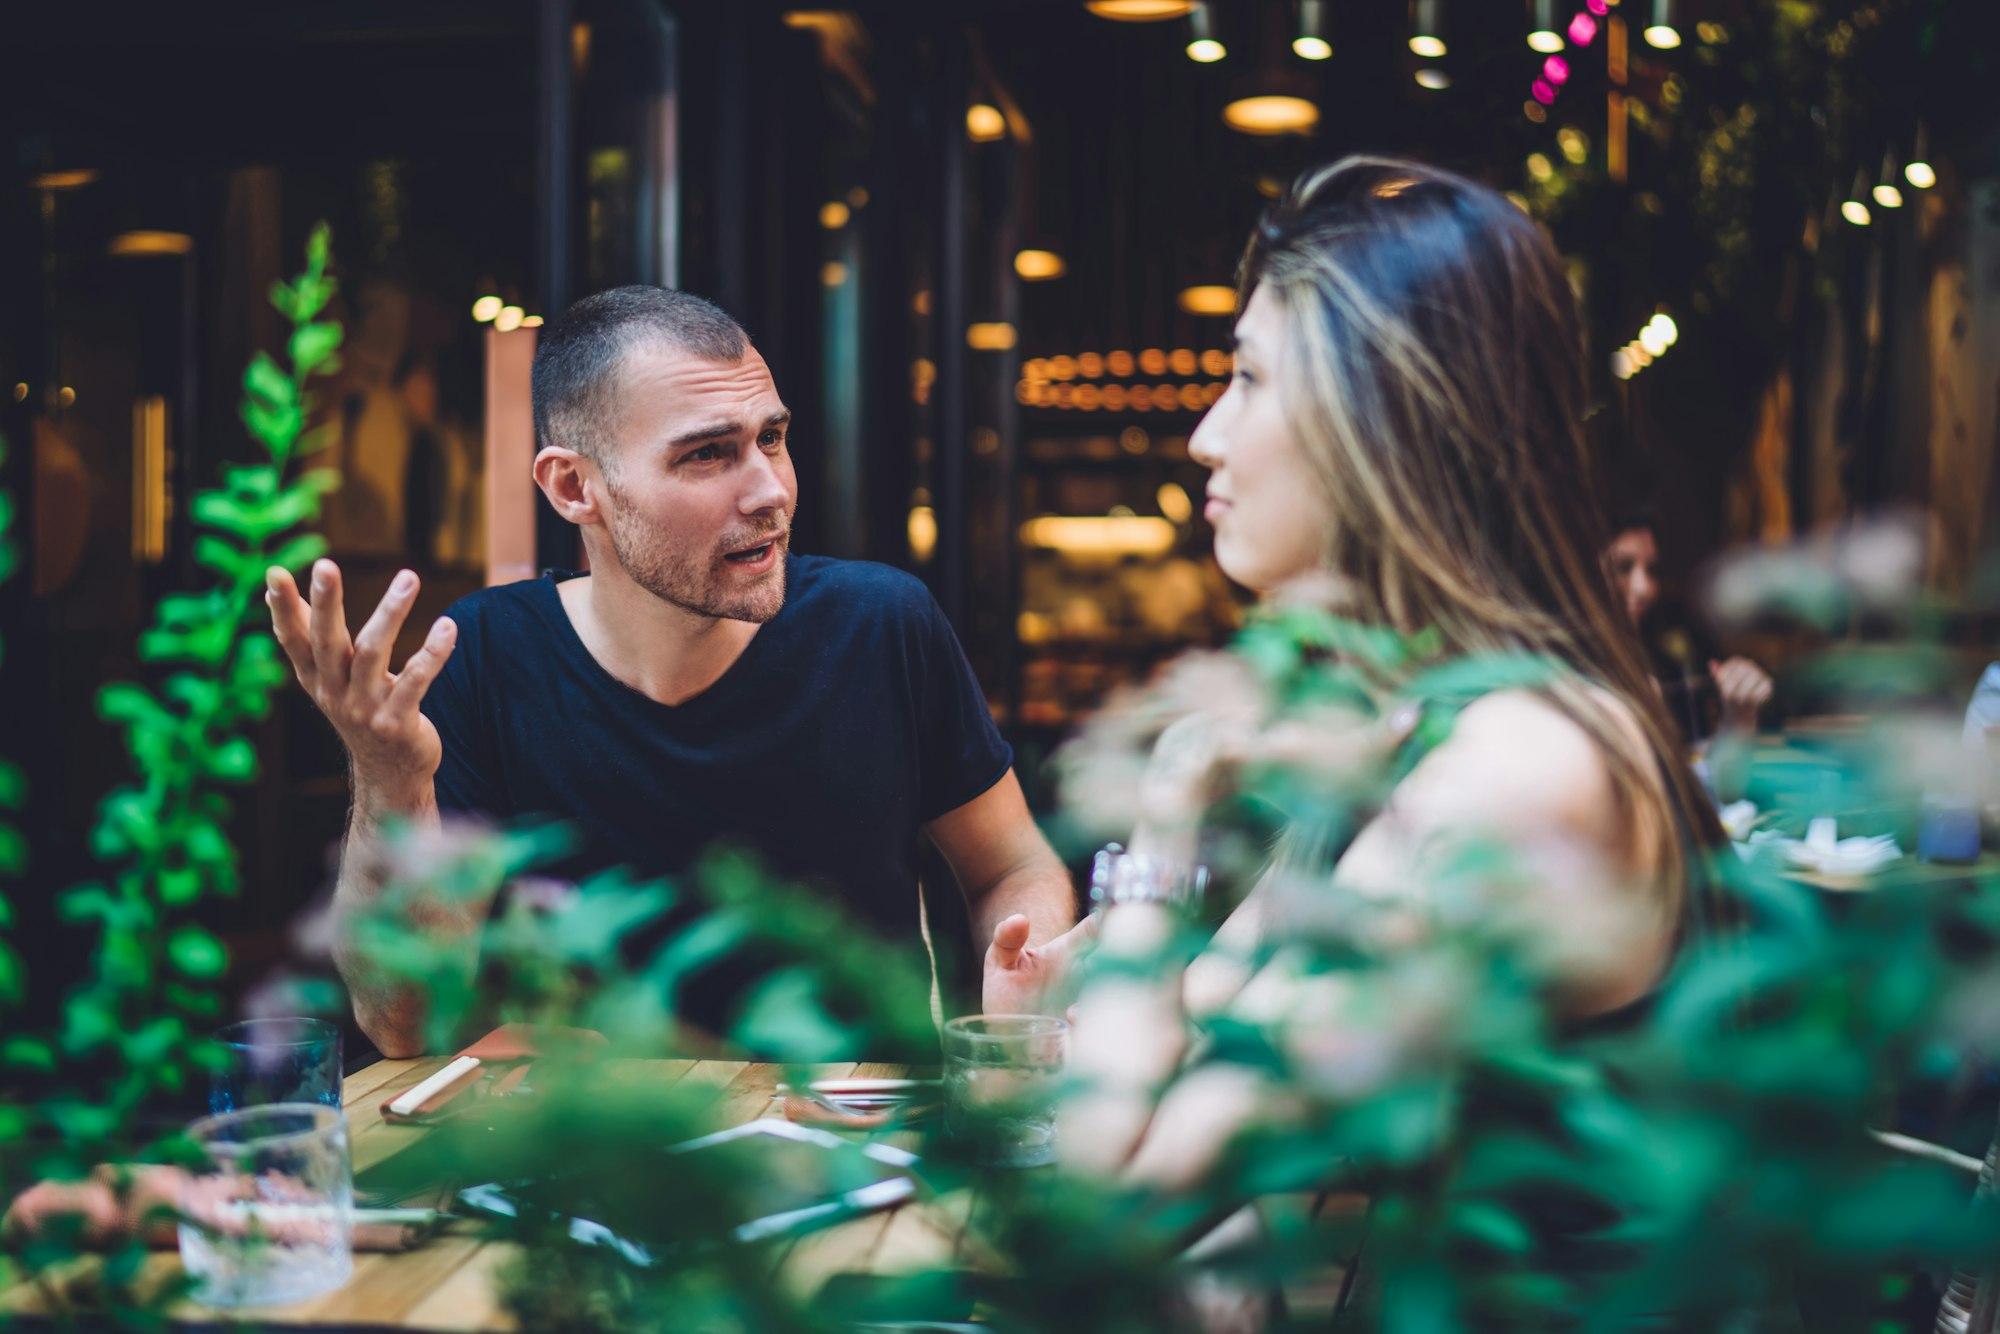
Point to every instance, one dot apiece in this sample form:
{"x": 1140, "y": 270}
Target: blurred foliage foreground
{"x": 1710, "y": 1165}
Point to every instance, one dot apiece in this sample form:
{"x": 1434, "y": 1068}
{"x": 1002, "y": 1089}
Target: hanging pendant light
{"x": 1661, "y": 32}
{"x": 1543, "y": 36}
{"x": 1203, "y": 48}
{"x": 1851, "y": 208}
{"x": 1917, "y": 171}
{"x": 1427, "y": 29}
{"x": 1887, "y": 193}
{"x": 1312, "y": 43}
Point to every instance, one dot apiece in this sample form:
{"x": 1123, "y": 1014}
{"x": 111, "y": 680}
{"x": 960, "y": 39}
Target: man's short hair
{"x": 578, "y": 355}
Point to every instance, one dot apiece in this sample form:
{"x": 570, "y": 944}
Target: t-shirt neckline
{"x": 719, "y": 689}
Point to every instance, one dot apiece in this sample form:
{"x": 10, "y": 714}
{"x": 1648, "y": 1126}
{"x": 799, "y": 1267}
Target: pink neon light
{"x": 1544, "y": 92}
{"x": 1582, "y": 29}
{"x": 1597, "y": 7}
{"x": 1556, "y": 70}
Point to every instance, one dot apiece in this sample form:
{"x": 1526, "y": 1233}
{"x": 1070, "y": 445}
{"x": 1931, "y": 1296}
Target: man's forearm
{"x": 389, "y": 1011}
{"x": 1039, "y": 889}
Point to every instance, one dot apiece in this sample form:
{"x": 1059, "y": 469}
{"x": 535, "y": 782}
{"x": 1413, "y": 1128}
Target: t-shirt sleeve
{"x": 961, "y": 752}
{"x": 468, "y": 780}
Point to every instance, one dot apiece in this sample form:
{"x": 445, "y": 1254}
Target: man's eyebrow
{"x": 723, "y": 430}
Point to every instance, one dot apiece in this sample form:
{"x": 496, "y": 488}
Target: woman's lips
{"x": 1215, "y": 508}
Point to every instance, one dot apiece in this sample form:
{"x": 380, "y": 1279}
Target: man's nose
{"x": 765, "y": 488}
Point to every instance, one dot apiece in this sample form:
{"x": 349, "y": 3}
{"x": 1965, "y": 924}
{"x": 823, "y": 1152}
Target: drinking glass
{"x": 276, "y": 1060}
{"x": 1001, "y": 1078}
{"x": 269, "y": 1218}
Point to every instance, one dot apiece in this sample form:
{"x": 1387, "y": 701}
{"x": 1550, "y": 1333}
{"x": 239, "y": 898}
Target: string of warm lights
{"x": 503, "y": 317}
{"x": 1153, "y": 361}
{"x": 1659, "y": 334}
{"x": 1087, "y": 397}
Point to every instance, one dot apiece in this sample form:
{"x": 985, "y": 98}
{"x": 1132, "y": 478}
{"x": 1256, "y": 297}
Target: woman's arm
{"x": 1518, "y": 772}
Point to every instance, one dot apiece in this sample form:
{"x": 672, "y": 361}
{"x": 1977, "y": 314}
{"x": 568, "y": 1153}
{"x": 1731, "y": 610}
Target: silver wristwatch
{"x": 1118, "y": 876}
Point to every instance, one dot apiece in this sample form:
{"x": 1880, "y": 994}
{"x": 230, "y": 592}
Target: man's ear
{"x": 572, "y": 483}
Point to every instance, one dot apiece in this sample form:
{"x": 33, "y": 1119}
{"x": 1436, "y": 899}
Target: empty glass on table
{"x": 268, "y": 1218}
{"x": 276, "y": 1060}
{"x": 1002, "y": 1074}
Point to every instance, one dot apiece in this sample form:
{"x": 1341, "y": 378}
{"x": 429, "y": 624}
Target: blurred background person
{"x": 1716, "y": 700}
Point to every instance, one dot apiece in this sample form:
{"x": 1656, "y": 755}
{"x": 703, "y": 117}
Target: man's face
{"x": 700, "y": 483}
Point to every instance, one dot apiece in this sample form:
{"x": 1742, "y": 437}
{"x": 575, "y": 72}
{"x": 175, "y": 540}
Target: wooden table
{"x": 449, "y": 1282}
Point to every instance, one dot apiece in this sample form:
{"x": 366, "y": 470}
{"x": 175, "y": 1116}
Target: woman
{"x": 1738, "y": 685}
{"x": 1405, "y": 421}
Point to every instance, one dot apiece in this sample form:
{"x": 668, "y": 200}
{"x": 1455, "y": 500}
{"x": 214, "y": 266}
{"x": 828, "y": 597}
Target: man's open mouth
{"x": 751, "y": 555}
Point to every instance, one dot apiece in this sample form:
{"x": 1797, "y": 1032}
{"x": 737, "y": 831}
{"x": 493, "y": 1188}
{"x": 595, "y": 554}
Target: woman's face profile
{"x": 1264, "y": 500}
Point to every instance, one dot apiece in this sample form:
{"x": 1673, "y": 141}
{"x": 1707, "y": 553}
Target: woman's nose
{"x": 1205, "y": 445}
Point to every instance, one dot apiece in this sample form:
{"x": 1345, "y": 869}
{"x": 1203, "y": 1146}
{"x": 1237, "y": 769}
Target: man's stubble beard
{"x": 689, "y": 579}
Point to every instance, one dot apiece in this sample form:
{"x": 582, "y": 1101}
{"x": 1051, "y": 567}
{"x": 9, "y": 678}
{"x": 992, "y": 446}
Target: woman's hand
{"x": 1745, "y": 689}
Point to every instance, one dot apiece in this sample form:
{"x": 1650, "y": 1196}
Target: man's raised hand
{"x": 394, "y": 748}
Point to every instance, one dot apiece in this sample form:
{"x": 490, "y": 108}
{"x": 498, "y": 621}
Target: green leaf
{"x": 1492, "y": 1227}
{"x": 234, "y": 761}
{"x": 155, "y": 1042}
{"x": 123, "y": 702}
{"x": 196, "y": 953}
{"x": 179, "y": 885}
{"x": 271, "y": 387}
{"x": 220, "y": 556}
{"x": 286, "y": 300}
{"x": 217, "y": 510}
{"x": 312, "y": 295}
{"x": 28, "y": 1054}
{"x": 312, "y": 344}
{"x": 299, "y": 552}
{"x": 179, "y": 610}
{"x": 275, "y": 428}
{"x": 294, "y": 505}
{"x": 80, "y": 903}
{"x": 88, "y": 1022}
{"x": 127, "y": 820}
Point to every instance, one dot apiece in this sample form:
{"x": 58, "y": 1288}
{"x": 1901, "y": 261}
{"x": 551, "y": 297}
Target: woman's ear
{"x": 571, "y": 482}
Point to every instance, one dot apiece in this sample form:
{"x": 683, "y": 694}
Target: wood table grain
{"x": 452, "y": 1281}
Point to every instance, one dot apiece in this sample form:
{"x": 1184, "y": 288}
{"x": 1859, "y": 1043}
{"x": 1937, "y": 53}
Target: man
{"x": 703, "y": 682}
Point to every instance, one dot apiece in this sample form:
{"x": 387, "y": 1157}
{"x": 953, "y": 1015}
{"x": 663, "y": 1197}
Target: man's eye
{"x": 706, "y": 454}
{"x": 771, "y": 439}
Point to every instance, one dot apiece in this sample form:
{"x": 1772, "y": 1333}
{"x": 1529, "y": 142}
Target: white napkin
{"x": 1821, "y": 851}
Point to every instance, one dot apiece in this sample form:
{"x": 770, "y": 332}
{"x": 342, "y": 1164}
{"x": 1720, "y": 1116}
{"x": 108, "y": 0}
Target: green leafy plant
{"x": 13, "y": 783}
{"x": 131, "y": 1030}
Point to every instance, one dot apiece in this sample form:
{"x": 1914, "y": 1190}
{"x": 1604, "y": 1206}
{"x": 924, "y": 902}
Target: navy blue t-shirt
{"x": 850, "y": 720}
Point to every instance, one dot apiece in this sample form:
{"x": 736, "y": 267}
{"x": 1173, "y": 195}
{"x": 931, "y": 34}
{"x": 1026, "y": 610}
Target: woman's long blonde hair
{"x": 1435, "y": 381}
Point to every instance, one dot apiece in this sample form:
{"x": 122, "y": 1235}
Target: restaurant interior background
{"x": 987, "y": 248}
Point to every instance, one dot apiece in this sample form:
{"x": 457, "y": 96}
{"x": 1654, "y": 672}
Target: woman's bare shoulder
{"x": 1514, "y": 755}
